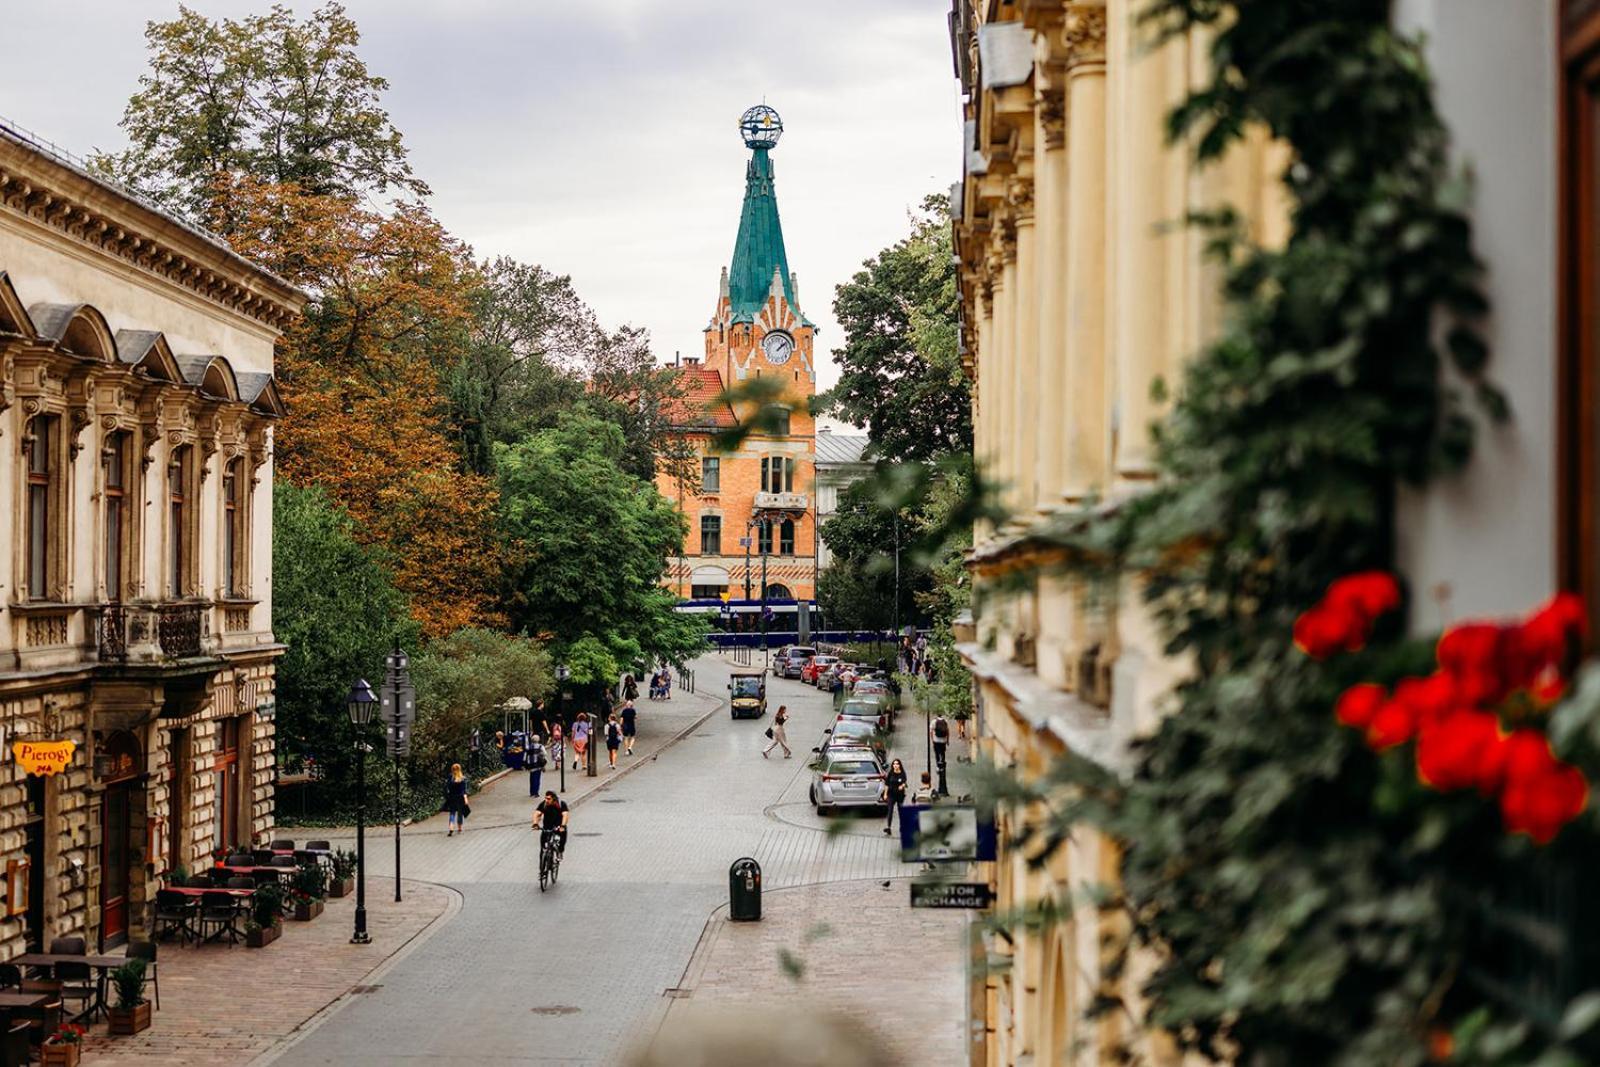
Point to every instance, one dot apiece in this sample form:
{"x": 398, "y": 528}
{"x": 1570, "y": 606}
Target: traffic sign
{"x": 951, "y": 895}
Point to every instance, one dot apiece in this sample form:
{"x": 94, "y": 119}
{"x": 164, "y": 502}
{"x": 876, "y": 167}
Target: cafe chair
{"x": 320, "y": 846}
{"x": 241, "y": 859}
{"x": 199, "y": 880}
{"x": 263, "y": 857}
{"x": 219, "y": 914}
{"x": 77, "y": 980}
{"x": 283, "y": 844}
{"x": 175, "y": 913}
{"x": 10, "y": 976}
{"x": 286, "y": 862}
{"x": 46, "y": 1018}
{"x": 260, "y": 878}
{"x": 146, "y": 950}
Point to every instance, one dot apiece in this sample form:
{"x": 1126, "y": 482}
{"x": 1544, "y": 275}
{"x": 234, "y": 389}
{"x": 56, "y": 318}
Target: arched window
{"x": 776, "y": 591}
{"x": 233, "y": 528}
{"x": 44, "y": 520}
{"x": 786, "y": 538}
{"x": 179, "y": 501}
{"x": 116, "y": 504}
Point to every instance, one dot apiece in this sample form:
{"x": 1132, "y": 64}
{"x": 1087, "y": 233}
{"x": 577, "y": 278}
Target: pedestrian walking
{"x": 455, "y": 801}
{"x": 613, "y": 739}
{"x": 557, "y": 743}
{"x": 776, "y": 732}
{"x": 630, "y": 688}
{"x": 630, "y": 725}
{"x": 894, "y": 792}
{"x": 941, "y": 738}
{"x": 580, "y": 740}
{"x": 536, "y": 764}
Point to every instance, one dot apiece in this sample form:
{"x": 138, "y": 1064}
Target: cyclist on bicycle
{"x": 551, "y": 817}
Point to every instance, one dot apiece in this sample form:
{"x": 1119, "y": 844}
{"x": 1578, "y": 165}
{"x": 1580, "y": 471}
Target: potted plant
{"x": 132, "y": 1012}
{"x": 62, "y": 1048}
{"x": 344, "y": 874}
{"x": 309, "y": 887}
{"x": 266, "y": 916}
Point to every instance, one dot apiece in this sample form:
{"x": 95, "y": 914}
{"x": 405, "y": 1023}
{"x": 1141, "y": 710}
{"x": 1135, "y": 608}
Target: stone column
{"x": 1026, "y": 408}
{"x": 985, "y": 386}
{"x": 1151, "y": 179}
{"x": 1005, "y": 332}
{"x": 1050, "y": 215}
{"x": 1085, "y": 35}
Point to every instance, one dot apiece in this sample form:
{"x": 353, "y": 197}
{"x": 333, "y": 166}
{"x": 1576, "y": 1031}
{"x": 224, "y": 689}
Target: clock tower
{"x": 762, "y": 492}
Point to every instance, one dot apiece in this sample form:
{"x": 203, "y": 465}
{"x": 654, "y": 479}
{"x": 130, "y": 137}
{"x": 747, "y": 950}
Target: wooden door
{"x": 116, "y": 845}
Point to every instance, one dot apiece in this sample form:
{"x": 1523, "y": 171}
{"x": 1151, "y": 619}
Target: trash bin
{"x": 744, "y": 890}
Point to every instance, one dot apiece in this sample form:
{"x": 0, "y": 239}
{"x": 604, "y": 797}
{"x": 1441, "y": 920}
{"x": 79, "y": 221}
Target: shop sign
{"x": 43, "y": 758}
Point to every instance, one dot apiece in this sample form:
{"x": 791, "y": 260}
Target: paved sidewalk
{"x": 223, "y": 1006}
{"x": 852, "y": 947}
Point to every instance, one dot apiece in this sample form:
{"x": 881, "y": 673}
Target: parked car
{"x": 847, "y": 778}
{"x": 880, "y": 687}
{"x": 832, "y": 679}
{"x": 866, "y": 711}
{"x": 855, "y": 733}
{"x": 813, "y": 669}
{"x": 796, "y": 660}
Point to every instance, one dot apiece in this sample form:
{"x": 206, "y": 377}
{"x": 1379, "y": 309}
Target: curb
{"x": 452, "y": 908}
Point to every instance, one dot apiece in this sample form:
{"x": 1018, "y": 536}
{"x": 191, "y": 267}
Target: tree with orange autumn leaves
{"x": 361, "y": 373}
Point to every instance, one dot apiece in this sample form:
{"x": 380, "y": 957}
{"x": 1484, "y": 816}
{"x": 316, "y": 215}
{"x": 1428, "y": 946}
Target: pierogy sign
{"x": 44, "y": 757}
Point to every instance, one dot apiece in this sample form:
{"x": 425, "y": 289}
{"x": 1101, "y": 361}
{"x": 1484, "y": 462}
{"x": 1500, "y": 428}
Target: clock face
{"x": 778, "y": 346}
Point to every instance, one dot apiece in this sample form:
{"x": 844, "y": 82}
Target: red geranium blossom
{"x": 1472, "y": 654}
{"x": 1430, "y": 698}
{"x": 1368, "y": 594}
{"x": 1322, "y": 631}
{"x": 1358, "y": 704}
{"x": 1394, "y": 724}
{"x": 1462, "y": 750}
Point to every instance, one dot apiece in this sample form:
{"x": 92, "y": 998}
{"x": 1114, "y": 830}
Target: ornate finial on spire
{"x": 723, "y": 288}
{"x": 775, "y": 290}
{"x": 761, "y": 127}
{"x": 794, "y": 287}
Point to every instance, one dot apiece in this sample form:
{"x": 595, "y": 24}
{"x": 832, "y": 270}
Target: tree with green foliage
{"x": 461, "y": 680}
{"x": 285, "y": 101}
{"x": 336, "y": 608}
{"x": 900, "y": 371}
{"x": 586, "y": 544}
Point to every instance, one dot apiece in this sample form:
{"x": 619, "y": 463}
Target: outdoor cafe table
{"x": 23, "y": 1001}
{"x": 101, "y": 964}
{"x": 202, "y": 890}
{"x": 254, "y": 867}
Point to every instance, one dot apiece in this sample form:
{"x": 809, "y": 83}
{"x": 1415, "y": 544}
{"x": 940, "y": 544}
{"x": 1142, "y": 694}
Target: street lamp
{"x": 563, "y": 674}
{"x": 764, "y": 524}
{"x": 361, "y": 704}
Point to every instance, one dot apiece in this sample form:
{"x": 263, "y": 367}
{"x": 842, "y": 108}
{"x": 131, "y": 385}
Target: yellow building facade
{"x": 1080, "y": 289}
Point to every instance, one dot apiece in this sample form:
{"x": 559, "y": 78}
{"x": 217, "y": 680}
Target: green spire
{"x": 758, "y": 250}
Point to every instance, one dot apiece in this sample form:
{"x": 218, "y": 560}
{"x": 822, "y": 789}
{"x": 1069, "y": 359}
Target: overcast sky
{"x": 598, "y": 137}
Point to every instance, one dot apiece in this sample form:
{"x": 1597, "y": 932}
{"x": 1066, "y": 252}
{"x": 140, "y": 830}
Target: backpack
{"x": 941, "y": 729}
{"x": 613, "y": 731}
{"x": 538, "y": 757}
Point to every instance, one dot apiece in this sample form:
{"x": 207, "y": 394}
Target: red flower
{"x": 1358, "y": 704}
{"x": 1544, "y": 642}
{"x": 1394, "y": 724}
{"x": 1323, "y": 630}
{"x": 1368, "y": 594}
{"x": 1541, "y": 794}
{"x": 1430, "y": 698}
{"x": 1472, "y": 654}
{"x": 1461, "y": 750}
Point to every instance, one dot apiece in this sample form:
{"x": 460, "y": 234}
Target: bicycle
{"x": 549, "y": 860}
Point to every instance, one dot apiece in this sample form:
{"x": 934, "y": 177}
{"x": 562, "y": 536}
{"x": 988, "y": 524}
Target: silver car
{"x": 854, "y": 733}
{"x": 847, "y": 778}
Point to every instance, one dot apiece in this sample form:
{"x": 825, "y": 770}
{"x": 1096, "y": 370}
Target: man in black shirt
{"x": 551, "y": 817}
{"x": 630, "y": 725}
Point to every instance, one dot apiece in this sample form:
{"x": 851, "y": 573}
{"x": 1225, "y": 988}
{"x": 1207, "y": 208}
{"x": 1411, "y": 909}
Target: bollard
{"x": 744, "y": 890}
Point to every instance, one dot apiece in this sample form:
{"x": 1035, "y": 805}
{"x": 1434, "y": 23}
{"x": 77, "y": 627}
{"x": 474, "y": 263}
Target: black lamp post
{"x": 361, "y": 704}
{"x": 563, "y": 675}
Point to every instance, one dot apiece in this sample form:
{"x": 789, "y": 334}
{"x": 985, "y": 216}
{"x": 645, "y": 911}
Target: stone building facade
{"x": 136, "y": 413}
{"x": 763, "y": 489}
{"x": 1079, "y": 289}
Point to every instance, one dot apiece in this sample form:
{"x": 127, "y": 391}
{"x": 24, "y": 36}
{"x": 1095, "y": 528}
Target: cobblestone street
{"x": 580, "y": 973}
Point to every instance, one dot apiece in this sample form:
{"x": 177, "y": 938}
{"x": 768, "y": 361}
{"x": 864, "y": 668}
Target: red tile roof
{"x": 702, "y": 403}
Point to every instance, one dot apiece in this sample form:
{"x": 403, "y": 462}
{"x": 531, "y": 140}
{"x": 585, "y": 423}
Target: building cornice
{"x": 36, "y": 185}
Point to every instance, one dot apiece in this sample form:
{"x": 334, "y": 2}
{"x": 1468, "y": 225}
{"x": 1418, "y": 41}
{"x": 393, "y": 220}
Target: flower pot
{"x": 342, "y": 887}
{"x": 307, "y": 911}
{"x": 126, "y": 1021}
{"x": 63, "y": 1055}
{"x": 263, "y": 937}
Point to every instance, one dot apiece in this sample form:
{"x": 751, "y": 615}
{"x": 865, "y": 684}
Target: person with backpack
{"x": 613, "y": 739}
{"x": 537, "y": 760}
{"x": 941, "y": 739}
